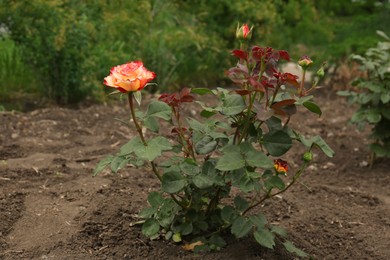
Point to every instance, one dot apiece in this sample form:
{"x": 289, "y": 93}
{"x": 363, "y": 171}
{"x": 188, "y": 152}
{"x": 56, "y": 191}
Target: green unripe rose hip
{"x": 308, "y": 156}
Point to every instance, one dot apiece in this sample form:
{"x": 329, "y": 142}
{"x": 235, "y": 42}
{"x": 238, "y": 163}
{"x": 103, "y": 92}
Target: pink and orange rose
{"x": 129, "y": 77}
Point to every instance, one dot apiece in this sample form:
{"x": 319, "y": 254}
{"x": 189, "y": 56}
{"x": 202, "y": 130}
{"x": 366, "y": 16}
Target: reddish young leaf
{"x": 242, "y": 92}
{"x": 284, "y": 55}
{"x": 283, "y": 103}
{"x": 240, "y": 54}
{"x": 285, "y": 107}
{"x": 257, "y": 86}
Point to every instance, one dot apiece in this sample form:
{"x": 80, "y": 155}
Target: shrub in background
{"x": 162, "y": 35}
{"x": 68, "y": 44}
{"x": 54, "y": 39}
{"x": 372, "y": 94}
{"x": 15, "y": 75}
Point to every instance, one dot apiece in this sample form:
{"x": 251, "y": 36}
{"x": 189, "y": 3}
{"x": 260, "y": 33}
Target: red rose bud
{"x": 305, "y": 62}
{"x": 244, "y": 32}
{"x": 281, "y": 167}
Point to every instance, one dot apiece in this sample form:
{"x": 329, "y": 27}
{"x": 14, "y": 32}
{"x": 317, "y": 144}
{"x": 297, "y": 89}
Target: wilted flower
{"x": 280, "y": 166}
{"x": 132, "y": 76}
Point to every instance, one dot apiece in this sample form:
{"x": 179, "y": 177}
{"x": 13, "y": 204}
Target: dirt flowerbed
{"x": 52, "y": 208}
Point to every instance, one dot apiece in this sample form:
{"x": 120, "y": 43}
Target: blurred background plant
{"x": 62, "y": 49}
{"x": 372, "y": 94}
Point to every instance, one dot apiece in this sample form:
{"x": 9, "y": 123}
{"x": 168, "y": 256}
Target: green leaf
{"x": 315, "y": 141}
{"x": 277, "y": 143}
{"x": 304, "y": 99}
{"x": 291, "y": 248}
{"x": 147, "y": 212}
{"x": 359, "y": 116}
{"x": 274, "y": 124}
{"x": 378, "y": 149}
{"x": 130, "y": 146}
{"x": 118, "y": 163}
{"x": 265, "y": 238}
{"x": 189, "y": 168}
{"x": 241, "y": 227}
{"x": 240, "y": 203}
{"x": 168, "y": 235}
{"x": 313, "y": 107}
{"x": 151, "y": 124}
{"x": 196, "y": 125}
{"x": 159, "y": 109}
{"x": 258, "y": 220}
{"x": 383, "y": 35}
{"x": 202, "y": 181}
{"x": 207, "y": 114}
{"x": 385, "y": 112}
{"x": 320, "y": 143}
{"x": 102, "y": 164}
{"x": 229, "y": 214}
{"x": 217, "y": 240}
{"x": 138, "y": 97}
{"x": 153, "y": 149}
{"x": 373, "y": 116}
{"x": 176, "y": 237}
{"x": 344, "y": 93}
{"x": 206, "y": 145}
{"x": 202, "y": 225}
{"x": 279, "y": 231}
{"x": 201, "y": 91}
{"x": 256, "y": 158}
{"x": 186, "y": 228}
{"x": 151, "y": 227}
{"x": 231, "y": 159}
{"x": 233, "y": 105}
{"x": 275, "y": 182}
{"x": 173, "y": 182}
{"x": 155, "y": 199}
{"x": 246, "y": 183}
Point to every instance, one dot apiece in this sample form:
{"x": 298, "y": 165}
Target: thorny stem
{"x": 302, "y": 83}
{"x": 141, "y": 135}
{"x": 248, "y": 116}
{"x": 275, "y": 93}
{"x": 214, "y": 201}
{"x": 187, "y": 147}
{"x": 269, "y": 195}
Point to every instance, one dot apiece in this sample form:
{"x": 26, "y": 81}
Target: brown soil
{"x": 52, "y": 208}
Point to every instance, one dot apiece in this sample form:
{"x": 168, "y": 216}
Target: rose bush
{"x": 215, "y": 173}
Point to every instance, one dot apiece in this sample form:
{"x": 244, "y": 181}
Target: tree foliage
{"x": 69, "y": 44}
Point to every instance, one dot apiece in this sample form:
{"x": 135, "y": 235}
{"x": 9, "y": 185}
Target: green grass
{"x": 15, "y": 76}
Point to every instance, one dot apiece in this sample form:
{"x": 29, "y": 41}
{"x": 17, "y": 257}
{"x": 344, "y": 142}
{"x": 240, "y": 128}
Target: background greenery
{"x": 62, "y": 49}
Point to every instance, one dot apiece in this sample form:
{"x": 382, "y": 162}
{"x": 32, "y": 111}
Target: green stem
{"x": 139, "y": 130}
{"x": 275, "y": 93}
{"x": 141, "y": 135}
{"x": 269, "y": 195}
{"x": 248, "y": 116}
{"x": 187, "y": 147}
{"x": 301, "y": 88}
